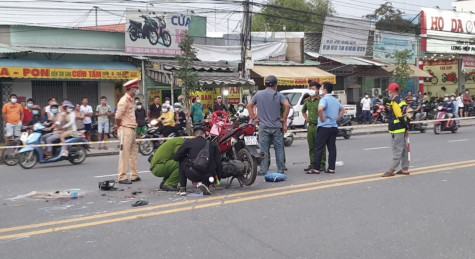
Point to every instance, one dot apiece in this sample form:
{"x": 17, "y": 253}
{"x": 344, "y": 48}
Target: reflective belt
{"x": 398, "y": 131}
{"x": 396, "y": 121}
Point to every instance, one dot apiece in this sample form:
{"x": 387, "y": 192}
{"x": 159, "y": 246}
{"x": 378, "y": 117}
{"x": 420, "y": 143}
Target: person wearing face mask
{"x": 398, "y": 128}
{"x": 366, "y": 108}
{"x": 57, "y": 122}
{"x": 242, "y": 111}
{"x": 197, "y": 111}
{"x": 180, "y": 117}
{"x": 311, "y": 107}
{"x": 449, "y": 109}
{"x": 125, "y": 125}
{"x": 37, "y": 117}
{"x": 167, "y": 101}
{"x": 28, "y": 111}
{"x": 69, "y": 127}
{"x": 141, "y": 117}
{"x": 168, "y": 120}
{"x": 12, "y": 113}
{"x": 467, "y": 100}
{"x": 46, "y": 111}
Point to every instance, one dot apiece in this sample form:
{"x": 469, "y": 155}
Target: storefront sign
{"x": 445, "y": 78}
{"x": 344, "y": 36}
{"x": 303, "y": 81}
{"x": 155, "y": 34}
{"x": 387, "y": 44}
{"x": 54, "y": 73}
{"x": 447, "y": 31}
{"x": 468, "y": 62}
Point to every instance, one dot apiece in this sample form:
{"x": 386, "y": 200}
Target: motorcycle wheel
{"x": 166, "y": 39}
{"x": 10, "y": 156}
{"x": 77, "y": 155}
{"x": 423, "y": 130}
{"x": 437, "y": 129}
{"x": 133, "y": 34}
{"x": 455, "y": 80}
{"x": 153, "y": 37}
{"x": 434, "y": 80}
{"x": 28, "y": 159}
{"x": 288, "y": 141}
{"x": 347, "y": 135}
{"x": 145, "y": 147}
{"x": 250, "y": 174}
{"x": 454, "y": 130}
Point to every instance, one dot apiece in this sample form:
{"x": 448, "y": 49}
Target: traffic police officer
{"x": 126, "y": 124}
{"x": 311, "y": 105}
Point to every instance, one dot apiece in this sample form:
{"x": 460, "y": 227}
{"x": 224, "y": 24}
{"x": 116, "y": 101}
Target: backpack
{"x": 201, "y": 162}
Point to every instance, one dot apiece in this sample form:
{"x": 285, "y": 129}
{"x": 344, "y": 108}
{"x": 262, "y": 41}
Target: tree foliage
{"x": 308, "y": 16}
{"x": 186, "y": 73}
{"x": 402, "y": 73}
{"x": 388, "y": 18}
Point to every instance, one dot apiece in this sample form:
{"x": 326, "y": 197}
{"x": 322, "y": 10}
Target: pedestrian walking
{"x": 330, "y": 111}
{"x": 88, "y": 113}
{"x": 398, "y": 129}
{"x": 271, "y": 125}
{"x": 366, "y": 108}
{"x": 103, "y": 111}
{"x": 126, "y": 124}
{"x": 12, "y": 114}
{"x": 311, "y": 107}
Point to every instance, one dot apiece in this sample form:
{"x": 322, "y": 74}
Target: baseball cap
{"x": 393, "y": 88}
{"x": 271, "y": 80}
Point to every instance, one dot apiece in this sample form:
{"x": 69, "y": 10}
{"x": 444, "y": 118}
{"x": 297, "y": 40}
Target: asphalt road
{"x": 352, "y": 214}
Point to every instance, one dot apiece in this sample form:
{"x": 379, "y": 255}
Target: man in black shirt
{"x": 188, "y": 152}
{"x": 154, "y": 111}
{"x": 219, "y": 105}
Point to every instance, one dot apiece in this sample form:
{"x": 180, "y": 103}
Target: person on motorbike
{"x": 37, "y": 117}
{"x": 167, "y": 120}
{"x": 417, "y": 108}
{"x": 449, "y": 109}
{"x": 455, "y": 106}
{"x": 242, "y": 111}
{"x": 377, "y": 102}
{"x": 56, "y": 127}
{"x": 70, "y": 129}
{"x": 180, "y": 117}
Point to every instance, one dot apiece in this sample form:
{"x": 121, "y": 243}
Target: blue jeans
{"x": 367, "y": 117}
{"x": 266, "y": 135}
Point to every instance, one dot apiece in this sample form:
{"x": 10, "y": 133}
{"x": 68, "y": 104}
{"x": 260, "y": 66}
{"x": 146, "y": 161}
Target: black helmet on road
{"x": 271, "y": 81}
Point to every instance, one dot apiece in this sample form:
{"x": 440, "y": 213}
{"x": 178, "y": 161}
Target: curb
{"x": 103, "y": 154}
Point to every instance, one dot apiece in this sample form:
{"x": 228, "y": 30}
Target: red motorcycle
{"x": 450, "y": 77}
{"x": 440, "y": 126}
{"x": 238, "y": 146}
{"x": 434, "y": 80}
{"x": 380, "y": 114}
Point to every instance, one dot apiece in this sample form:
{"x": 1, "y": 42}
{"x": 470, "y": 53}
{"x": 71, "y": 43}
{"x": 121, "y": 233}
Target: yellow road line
{"x": 220, "y": 203}
{"x": 203, "y": 200}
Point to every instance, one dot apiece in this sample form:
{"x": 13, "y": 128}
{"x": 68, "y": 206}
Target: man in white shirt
{"x": 87, "y": 112}
{"x": 366, "y": 108}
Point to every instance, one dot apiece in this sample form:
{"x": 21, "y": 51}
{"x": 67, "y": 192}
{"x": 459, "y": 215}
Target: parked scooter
{"x": 30, "y": 156}
{"x": 163, "y": 32}
{"x": 148, "y": 147}
{"x": 440, "y": 126}
{"x": 345, "y": 121}
{"x": 148, "y": 30}
{"x": 10, "y": 156}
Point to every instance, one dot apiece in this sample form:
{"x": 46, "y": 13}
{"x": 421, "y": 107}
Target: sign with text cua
{"x": 154, "y": 34}
{"x": 344, "y": 36}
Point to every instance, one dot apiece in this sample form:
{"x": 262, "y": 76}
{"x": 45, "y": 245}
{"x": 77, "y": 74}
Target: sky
{"x": 221, "y": 13}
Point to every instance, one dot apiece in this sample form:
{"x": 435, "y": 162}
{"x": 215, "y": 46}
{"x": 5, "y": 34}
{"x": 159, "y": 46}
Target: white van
{"x": 295, "y": 97}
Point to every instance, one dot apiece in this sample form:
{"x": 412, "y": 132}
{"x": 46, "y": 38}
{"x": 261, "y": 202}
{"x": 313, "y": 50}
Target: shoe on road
{"x": 126, "y": 181}
{"x": 310, "y": 167}
{"x": 182, "y": 191}
{"x": 169, "y": 188}
{"x": 204, "y": 189}
{"x": 138, "y": 179}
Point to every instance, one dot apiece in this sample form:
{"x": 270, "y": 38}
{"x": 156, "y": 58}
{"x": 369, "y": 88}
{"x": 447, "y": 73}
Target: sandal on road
{"x": 313, "y": 171}
{"x": 402, "y": 172}
{"x": 388, "y": 174}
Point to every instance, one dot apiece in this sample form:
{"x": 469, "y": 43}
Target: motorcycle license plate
{"x": 250, "y": 140}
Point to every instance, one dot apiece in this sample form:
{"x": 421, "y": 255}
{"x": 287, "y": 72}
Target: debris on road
{"x": 140, "y": 203}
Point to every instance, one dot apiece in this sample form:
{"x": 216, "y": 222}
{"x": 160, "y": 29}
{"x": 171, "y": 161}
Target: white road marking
{"x": 457, "y": 140}
{"x": 374, "y": 148}
{"x": 110, "y": 175}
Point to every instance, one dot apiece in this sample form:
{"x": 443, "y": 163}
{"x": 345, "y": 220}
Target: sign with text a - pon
{"x": 345, "y": 36}
{"x": 154, "y": 34}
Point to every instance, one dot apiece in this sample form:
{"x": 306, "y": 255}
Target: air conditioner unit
{"x": 375, "y": 92}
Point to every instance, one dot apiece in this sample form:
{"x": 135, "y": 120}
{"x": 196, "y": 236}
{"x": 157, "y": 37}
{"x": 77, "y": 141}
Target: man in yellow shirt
{"x": 12, "y": 114}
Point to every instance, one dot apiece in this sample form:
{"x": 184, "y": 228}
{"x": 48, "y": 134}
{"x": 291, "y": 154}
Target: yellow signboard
{"x": 54, "y": 73}
{"x": 304, "y": 81}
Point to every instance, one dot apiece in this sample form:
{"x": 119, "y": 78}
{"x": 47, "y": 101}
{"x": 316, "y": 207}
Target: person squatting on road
{"x": 188, "y": 152}
{"x": 311, "y": 106}
{"x": 125, "y": 124}
{"x": 330, "y": 111}
{"x": 271, "y": 125}
{"x": 163, "y": 165}
{"x": 397, "y": 124}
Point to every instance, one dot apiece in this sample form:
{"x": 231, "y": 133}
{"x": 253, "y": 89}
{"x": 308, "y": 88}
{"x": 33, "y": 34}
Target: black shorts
{"x": 465, "y": 108}
{"x": 88, "y": 127}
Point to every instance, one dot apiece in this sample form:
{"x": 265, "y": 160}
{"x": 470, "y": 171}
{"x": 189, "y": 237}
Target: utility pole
{"x": 245, "y": 39}
{"x": 95, "y": 7}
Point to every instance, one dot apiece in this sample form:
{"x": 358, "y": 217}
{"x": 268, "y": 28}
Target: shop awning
{"x": 294, "y": 75}
{"x": 415, "y": 71}
{"x": 48, "y": 69}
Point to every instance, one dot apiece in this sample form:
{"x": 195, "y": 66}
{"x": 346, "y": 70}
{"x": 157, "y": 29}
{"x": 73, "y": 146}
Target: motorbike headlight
{"x": 439, "y": 108}
{"x": 154, "y": 123}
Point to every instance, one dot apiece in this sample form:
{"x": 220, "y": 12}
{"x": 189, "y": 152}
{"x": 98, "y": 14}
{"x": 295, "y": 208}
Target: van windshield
{"x": 293, "y": 98}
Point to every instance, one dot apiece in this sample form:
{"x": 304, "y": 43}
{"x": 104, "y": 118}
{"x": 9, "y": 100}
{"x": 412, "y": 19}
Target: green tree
{"x": 295, "y": 15}
{"x": 402, "y": 73}
{"x": 390, "y": 19}
{"x": 186, "y": 73}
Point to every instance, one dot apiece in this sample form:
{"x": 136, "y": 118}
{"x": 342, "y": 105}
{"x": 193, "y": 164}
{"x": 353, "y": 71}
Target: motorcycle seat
{"x": 136, "y": 23}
